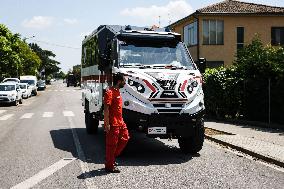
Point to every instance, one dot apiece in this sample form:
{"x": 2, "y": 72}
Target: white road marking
{"x": 68, "y": 113}
{"x": 74, "y": 90}
{"x": 47, "y": 114}
{"x": 61, "y": 90}
{"x": 2, "y": 111}
{"x": 27, "y": 116}
{"x": 82, "y": 159}
{"x": 67, "y": 90}
{"x": 43, "y": 174}
{"x": 5, "y": 117}
{"x": 55, "y": 90}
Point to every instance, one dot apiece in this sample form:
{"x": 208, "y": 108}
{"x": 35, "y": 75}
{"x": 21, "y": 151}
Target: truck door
{"x": 95, "y": 100}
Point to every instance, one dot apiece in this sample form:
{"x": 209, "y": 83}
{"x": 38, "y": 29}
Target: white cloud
{"x": 38, "y": 22}
{"x": 173, "y": 11}
{"x": 70, "y": 21}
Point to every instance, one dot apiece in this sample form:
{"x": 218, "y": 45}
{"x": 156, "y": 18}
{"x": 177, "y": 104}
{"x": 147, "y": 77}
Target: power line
{"x": 53, "y": 44}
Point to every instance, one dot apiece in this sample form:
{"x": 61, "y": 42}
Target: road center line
{"x": 43, "y": 174}
{"x": 82, "y": 159}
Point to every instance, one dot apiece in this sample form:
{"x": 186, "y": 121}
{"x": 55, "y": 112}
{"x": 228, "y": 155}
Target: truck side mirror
{"x": 201, "y": 64}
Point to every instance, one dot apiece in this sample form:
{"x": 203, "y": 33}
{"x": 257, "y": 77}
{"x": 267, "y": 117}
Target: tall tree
{"x": 16, "y": 57}
{"x": 49, "y": 65}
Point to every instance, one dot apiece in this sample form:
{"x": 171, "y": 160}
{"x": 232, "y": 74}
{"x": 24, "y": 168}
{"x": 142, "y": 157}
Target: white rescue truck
{"x": 163, "y": 95}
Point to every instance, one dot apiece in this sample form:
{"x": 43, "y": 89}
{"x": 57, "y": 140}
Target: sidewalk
{"x": 263, "y": 143}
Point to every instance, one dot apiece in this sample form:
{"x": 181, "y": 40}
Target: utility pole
{"x": 159, "y": 21}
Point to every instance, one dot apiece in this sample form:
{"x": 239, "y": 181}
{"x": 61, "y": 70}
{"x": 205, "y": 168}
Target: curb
{"x": 249, "y": 152}
{"x": 248, "y": 123}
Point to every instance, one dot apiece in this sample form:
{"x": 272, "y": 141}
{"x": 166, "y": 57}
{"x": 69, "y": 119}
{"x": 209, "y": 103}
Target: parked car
{"x": 41, "y": 85}
{"x": 31, "y": 80}
{"x": 11, "y": 80}
{"x": 10, "y": 93}
{"x": 26, "y": 90}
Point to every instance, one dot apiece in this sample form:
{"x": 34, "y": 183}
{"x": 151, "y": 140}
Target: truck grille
{"x": 171, "y": 108}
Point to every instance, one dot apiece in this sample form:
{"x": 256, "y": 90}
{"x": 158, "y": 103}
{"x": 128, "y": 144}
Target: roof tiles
{"x": 234, "y": 6}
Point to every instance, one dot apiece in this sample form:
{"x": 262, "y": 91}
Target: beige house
{"x": 217, "y": 31}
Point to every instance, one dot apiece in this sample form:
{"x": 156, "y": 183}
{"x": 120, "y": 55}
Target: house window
{"x": 240, "y": 37}
{"x": 277, "y": 36}
{"x": 190, "y": 34}
{"x": 213, "y": 32}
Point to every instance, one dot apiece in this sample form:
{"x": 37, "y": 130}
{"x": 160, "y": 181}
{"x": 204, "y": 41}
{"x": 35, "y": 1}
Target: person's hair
{"x": 117, "y": 77}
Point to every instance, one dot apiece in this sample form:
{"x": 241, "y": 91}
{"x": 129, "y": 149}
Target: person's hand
{"x": 107, "y": 127}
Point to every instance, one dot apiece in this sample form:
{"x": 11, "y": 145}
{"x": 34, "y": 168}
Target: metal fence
{"x": 263, "y": 100}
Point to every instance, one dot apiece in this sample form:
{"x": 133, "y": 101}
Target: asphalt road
{"x": 43, "y": 144}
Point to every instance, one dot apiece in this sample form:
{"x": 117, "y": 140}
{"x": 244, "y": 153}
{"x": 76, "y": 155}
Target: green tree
{"x": 9, "y": 48}
{"x": 30, "y": 61}
{"x": 48, "y": 64}
{"x": 60, "y": 75}
{"x": 16, "y": 57}
{"x": 256, "y": 60}
{"x": 77, "y": 72}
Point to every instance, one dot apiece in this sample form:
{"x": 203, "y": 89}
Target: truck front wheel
{"x": 91, "y": 122}
{"x": 194, "y": 143}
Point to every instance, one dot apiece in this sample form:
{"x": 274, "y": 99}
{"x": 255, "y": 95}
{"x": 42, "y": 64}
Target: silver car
{"x": 26, "y": 90}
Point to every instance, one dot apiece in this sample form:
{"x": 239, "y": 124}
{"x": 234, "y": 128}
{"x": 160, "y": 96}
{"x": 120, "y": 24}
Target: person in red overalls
{"x": 116, "y": 131}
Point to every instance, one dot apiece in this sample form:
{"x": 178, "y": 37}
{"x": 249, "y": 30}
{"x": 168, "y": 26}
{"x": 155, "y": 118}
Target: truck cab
{"x": 163, "y": 95}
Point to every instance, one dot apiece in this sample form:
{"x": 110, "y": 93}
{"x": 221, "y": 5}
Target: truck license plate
{"x": 157, "y": 130}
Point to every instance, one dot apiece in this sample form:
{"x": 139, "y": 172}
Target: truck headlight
{"x": 139, "y": 87}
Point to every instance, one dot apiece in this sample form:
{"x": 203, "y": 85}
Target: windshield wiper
{"x": 131, "y": 65}
{"x": 169, "y": 66}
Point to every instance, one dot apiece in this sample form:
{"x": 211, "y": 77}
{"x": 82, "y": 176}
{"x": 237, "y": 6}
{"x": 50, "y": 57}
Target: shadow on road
{"x": 140, "y": 151}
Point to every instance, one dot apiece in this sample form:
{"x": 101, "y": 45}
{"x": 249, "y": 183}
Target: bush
{"x": 223, "y": 92}
{"x": 242, "y": 89}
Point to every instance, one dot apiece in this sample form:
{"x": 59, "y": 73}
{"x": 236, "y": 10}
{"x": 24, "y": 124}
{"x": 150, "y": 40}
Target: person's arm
{"x": 106, "y": 117}
{"x": 107, "y": 103}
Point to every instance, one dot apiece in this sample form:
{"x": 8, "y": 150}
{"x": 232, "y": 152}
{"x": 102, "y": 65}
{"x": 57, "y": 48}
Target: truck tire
{"x": 194, "y": 143}
{"x": 91, "y": 122}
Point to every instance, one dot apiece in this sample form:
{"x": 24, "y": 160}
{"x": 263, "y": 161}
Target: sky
{"x": 60, "y": 25}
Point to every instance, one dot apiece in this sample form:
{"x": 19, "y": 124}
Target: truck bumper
{"x": 176, "y": 125}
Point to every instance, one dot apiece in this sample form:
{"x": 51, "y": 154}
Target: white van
{"x": 11, "y": 80}
{"x": 31, "y": 80}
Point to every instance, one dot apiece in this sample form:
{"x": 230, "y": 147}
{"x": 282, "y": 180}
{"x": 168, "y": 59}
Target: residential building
{"x": 217, "y": 31}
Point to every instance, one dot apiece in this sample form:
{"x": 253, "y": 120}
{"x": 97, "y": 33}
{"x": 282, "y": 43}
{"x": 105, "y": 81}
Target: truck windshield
{"x": 174, "y": 55}
{"x": 30, "y": 82}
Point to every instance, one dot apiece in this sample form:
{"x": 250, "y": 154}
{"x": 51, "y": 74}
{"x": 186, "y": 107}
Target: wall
{"x": 252, "y": 25}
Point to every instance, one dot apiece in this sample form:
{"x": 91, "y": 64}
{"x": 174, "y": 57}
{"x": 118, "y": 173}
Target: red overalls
{"x": 117, "y": 137}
